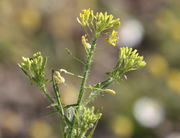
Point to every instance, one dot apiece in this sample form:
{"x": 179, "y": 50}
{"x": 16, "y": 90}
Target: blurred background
{"x": 147, "y": 104}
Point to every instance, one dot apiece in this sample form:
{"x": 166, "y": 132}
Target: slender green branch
{"x": 96, "y": 93}
{"x": 70, "y": 105}
{"x": 43, "y": 88}
{"x": 93, "y": 129}
{"x": 85, "y": 77}
{"x": 50, "y": 99}
{"x": 74, "y": 57}
{"x": 57, "y": 94}
{"x": 86, "y": 70}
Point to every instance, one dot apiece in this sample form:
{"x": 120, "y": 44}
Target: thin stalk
{"x": 85, "y": 77}
{"x": 82, "y": 133}
{"x": 43, "y": 88}
{"x": 86, "y": 70}
{"x": 96, "y": 93}
{"x": 57, "y": 94}
{"x": 58, "y": 97}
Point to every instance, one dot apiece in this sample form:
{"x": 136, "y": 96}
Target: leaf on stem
{"x": 74, "y": 57}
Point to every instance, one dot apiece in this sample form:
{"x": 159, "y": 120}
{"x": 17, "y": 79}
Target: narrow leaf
{"x": 74, "y": 57}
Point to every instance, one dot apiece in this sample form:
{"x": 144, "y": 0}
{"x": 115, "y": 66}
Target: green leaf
{"x": 53, "y": 105}
{"x": 53, "y": 112}
{"x": 70, "y": 105}
{"x": 74, "y": 57}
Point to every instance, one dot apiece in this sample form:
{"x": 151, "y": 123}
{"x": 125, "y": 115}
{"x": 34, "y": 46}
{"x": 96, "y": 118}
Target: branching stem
{"x": 85, "y": 77}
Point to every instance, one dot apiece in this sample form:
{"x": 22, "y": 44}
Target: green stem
{"x": 58, "y": 97}
{"x": 57, "y": 93}
{"x": 82, "y": 133}
{"x": 85, "y": 77}
{"x": 96, "y": 93}
{"x": 43, "y": 88}
{"x": 86, "y": 70}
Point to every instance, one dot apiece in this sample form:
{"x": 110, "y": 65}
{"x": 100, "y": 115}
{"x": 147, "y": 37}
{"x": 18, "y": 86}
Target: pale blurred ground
{"x": 147, "y": 105}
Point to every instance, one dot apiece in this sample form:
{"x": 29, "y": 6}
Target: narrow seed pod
{"x": 110, "y": 91}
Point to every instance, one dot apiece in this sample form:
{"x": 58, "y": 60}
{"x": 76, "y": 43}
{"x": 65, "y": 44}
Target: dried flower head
{"x": 85, "y": 43}
{"x": 58, "y": 78}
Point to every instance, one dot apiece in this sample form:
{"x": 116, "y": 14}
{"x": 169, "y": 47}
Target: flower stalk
{"x": 87, "y": 69}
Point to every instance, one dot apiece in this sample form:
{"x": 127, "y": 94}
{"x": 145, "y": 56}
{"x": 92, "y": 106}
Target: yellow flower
{"x": 112, "y": 39}
{"x": 98, "y": 22}
{"x": 106, "y": 21}
{"x": 85, "y": 17}
{"x": 128, "y": 60}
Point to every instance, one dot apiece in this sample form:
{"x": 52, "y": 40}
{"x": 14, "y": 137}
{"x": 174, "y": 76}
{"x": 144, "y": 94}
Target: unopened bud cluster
{"x": 98, "y": 23}
{"x": 34, "y": 68}
{"x": 128, "y": 60}
{"x": 88, "y": 118}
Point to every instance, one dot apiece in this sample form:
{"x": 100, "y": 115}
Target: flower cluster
{"x": 105, "y": 21}
{"x": 86, "y": 121}
{"x": 112, "y": 39}
{"x": 87, "y": 18}
{"x": 87, "y": 118}
{"x": 128, "y": 60}
{"x": 98, "y": 23}
{"x": 34, "y": 68}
